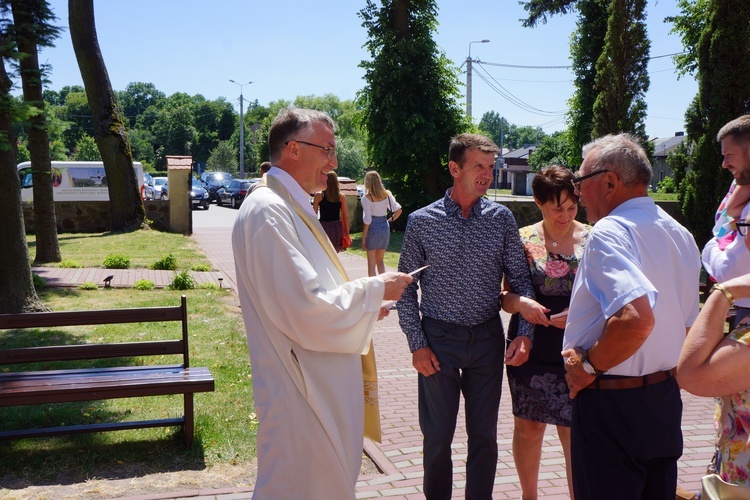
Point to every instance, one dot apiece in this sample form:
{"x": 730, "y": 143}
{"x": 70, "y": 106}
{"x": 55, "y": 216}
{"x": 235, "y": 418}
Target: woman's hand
{"x": 559, "y": 321}
{"x": 532, "y": 311}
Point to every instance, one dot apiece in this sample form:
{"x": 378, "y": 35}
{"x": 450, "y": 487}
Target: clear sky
{"x": 289, "y": 48}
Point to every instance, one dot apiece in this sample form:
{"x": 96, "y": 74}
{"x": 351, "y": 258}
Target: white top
{"x": 378, "y": 208}
{"x": 637, "y": 250}
{"x": 729, "y": 263}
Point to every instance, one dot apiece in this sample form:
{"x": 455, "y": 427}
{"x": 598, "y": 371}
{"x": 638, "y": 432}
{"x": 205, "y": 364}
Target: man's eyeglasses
{"x": 742, "y": 226}
{"x": 578, "y": 180}
{"x": 331, "y": 151}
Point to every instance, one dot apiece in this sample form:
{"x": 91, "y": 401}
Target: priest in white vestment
{"x": 307, "y": 326}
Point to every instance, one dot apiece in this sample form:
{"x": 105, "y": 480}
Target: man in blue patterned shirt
{"x": 455, "y": 334}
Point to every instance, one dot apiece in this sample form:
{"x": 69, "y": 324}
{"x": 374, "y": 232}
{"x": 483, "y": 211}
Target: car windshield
{"x": 220, "y": 178}
{"x": 197, "y": 183}
{"x": 159, "y": 181}
{"x": 245, "y": 185}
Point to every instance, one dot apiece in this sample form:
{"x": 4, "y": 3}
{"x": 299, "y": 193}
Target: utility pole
{"x": 468, "y": 77}
{"x": 242, "y": 131}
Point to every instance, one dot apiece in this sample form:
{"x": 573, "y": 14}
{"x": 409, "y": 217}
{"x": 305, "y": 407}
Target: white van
{"x": 74, "y": 180}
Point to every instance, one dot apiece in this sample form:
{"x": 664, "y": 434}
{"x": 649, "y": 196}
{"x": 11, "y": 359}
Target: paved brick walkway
{"x": 399, "y": 456}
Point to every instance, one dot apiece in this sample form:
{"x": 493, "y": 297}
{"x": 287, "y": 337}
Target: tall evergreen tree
{"x": 32, "y": 28}
{"x": 586, "y": 46}
{"x": 622, "y": 71}
{"x": 722, "y": 31}
{"x": 410, "y": 99}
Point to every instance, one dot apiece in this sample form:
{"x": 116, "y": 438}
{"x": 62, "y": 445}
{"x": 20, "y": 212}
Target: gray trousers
{"x": 471, "y": 363}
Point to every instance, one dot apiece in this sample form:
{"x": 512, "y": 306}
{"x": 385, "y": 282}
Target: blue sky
{"x": 300, "y": 47}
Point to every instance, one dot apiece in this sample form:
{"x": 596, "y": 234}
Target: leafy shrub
{"x": 143, "y": 285}
{"x": 88, "y": 285}
{"x": 39, "y": 281}
{"x": 201, "y": 268}
{"x": 183, "y": 281}
{"x": 166, "y": 263}
{"x": 208, "y": 286}
{"x": 116, "y": 261}
{"x": 70, "y": 264}
{"x": 667, "y": 185}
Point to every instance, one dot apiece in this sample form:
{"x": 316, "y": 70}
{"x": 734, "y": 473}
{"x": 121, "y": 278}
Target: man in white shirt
{"x": 729, "y": 257}
{"x": 634, "y": 297}
{"x": 307, "y": 324}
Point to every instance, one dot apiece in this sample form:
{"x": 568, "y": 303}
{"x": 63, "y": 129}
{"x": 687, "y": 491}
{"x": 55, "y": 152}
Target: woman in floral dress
{"x": 712, "y": 364}
{"x": 538, "y": 389}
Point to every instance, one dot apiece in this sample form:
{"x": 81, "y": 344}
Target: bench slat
{"x": 124, "y": 385}
{"x": 89, "y": 351}
{"x": 100, "y": 317}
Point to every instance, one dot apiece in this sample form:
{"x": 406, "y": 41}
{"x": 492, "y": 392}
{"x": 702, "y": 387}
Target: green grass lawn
{"x": 142, "y": 247}
{"x": 225, "y": 420}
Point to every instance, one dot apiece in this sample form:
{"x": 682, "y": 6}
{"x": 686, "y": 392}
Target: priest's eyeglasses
{"x": 742, "y": 226}
{"x": 331, "y": 151}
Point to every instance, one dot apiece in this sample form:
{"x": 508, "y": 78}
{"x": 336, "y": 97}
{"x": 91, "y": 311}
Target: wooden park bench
{"x": 48, "y": 383}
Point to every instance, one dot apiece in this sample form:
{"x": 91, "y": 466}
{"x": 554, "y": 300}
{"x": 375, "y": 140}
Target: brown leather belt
{"x": 630, "y": 382}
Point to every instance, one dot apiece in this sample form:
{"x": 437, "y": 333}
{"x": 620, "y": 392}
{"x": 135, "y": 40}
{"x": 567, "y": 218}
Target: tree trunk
{"x": 17, "y": 293}
{"x": 47, "y": 248}
{"x": 125, "y": 204}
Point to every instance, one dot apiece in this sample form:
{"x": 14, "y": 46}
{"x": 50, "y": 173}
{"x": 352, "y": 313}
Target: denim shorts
{"x": 379, "y": 234}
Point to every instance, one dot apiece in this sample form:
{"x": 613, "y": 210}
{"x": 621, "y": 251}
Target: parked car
{"x": 153, "y": 188}
{"x": 213, "y": 181}
{"x": 235, "y": 191}
{"x": 146, "y": 179}
{"x": 199, "y": 195}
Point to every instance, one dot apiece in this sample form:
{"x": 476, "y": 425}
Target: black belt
{"x": 604, "y": 382}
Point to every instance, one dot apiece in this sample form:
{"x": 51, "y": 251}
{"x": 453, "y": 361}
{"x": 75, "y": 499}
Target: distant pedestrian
{"x": 379, "y": 209}
{"x": 330, "y": 204}
{"x": 265, "y": 167}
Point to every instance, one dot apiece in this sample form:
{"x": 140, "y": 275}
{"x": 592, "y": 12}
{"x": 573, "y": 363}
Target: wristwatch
{"x": 588, "y": 366}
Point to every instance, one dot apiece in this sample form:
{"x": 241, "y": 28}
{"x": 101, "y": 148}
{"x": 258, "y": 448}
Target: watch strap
{"x": 585, "y": 359}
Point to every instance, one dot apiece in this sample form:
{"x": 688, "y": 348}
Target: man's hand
{"x": 575, "y": 375}
{"x": 518, "y": 351}
{"x": 425, "y": 361}
{"x": 532, "y": 311}
{"x": 395, "y": 284}
{"x": 384, "y": 311}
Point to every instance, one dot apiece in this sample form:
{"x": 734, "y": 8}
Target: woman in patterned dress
{"x": 538, "y": 389}
{"x": 712, "y": 364}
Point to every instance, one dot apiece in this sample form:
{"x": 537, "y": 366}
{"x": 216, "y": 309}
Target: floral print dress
{"x": 733, "y": 425}
{"x": 538, "y": 388}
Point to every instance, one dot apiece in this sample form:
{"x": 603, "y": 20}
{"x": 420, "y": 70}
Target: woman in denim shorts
{"x": 379, "y": 207}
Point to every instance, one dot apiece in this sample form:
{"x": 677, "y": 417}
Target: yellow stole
{"x": 369, "y": 370}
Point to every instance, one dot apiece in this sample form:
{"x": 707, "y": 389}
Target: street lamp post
{"x": 242, "y": 131}
{"x": 468, "y": 77}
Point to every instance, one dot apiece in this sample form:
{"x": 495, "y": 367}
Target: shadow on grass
{"x": 77, "y": 459}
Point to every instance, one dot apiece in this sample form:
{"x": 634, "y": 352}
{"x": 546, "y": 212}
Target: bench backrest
{"x": 96, "y": 351}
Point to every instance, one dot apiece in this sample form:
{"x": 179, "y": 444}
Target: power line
{"x": 507, "y": 95}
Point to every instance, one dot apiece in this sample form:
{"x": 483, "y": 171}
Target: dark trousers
{"x": 471, "y": 362}
{"x": 625, "y": 442}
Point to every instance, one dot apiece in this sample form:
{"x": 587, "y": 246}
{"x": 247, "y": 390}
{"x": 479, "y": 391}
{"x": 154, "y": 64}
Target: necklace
{"x": 564, "y": 237}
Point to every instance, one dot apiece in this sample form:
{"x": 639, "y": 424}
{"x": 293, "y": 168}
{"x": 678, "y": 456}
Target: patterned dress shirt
{"x": 468, "y": 258}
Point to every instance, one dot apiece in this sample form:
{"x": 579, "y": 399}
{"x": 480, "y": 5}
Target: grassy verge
{"x": 225, "y": 422}
{"x": 143, "y": 247}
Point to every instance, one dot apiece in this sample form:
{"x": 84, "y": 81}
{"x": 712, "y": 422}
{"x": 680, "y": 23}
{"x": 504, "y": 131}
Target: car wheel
{"x": 218, "y": 201}
{"x": 234, "y": 202}
{"x": 206, "y": 206}
{"x": 163, "y": 197}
